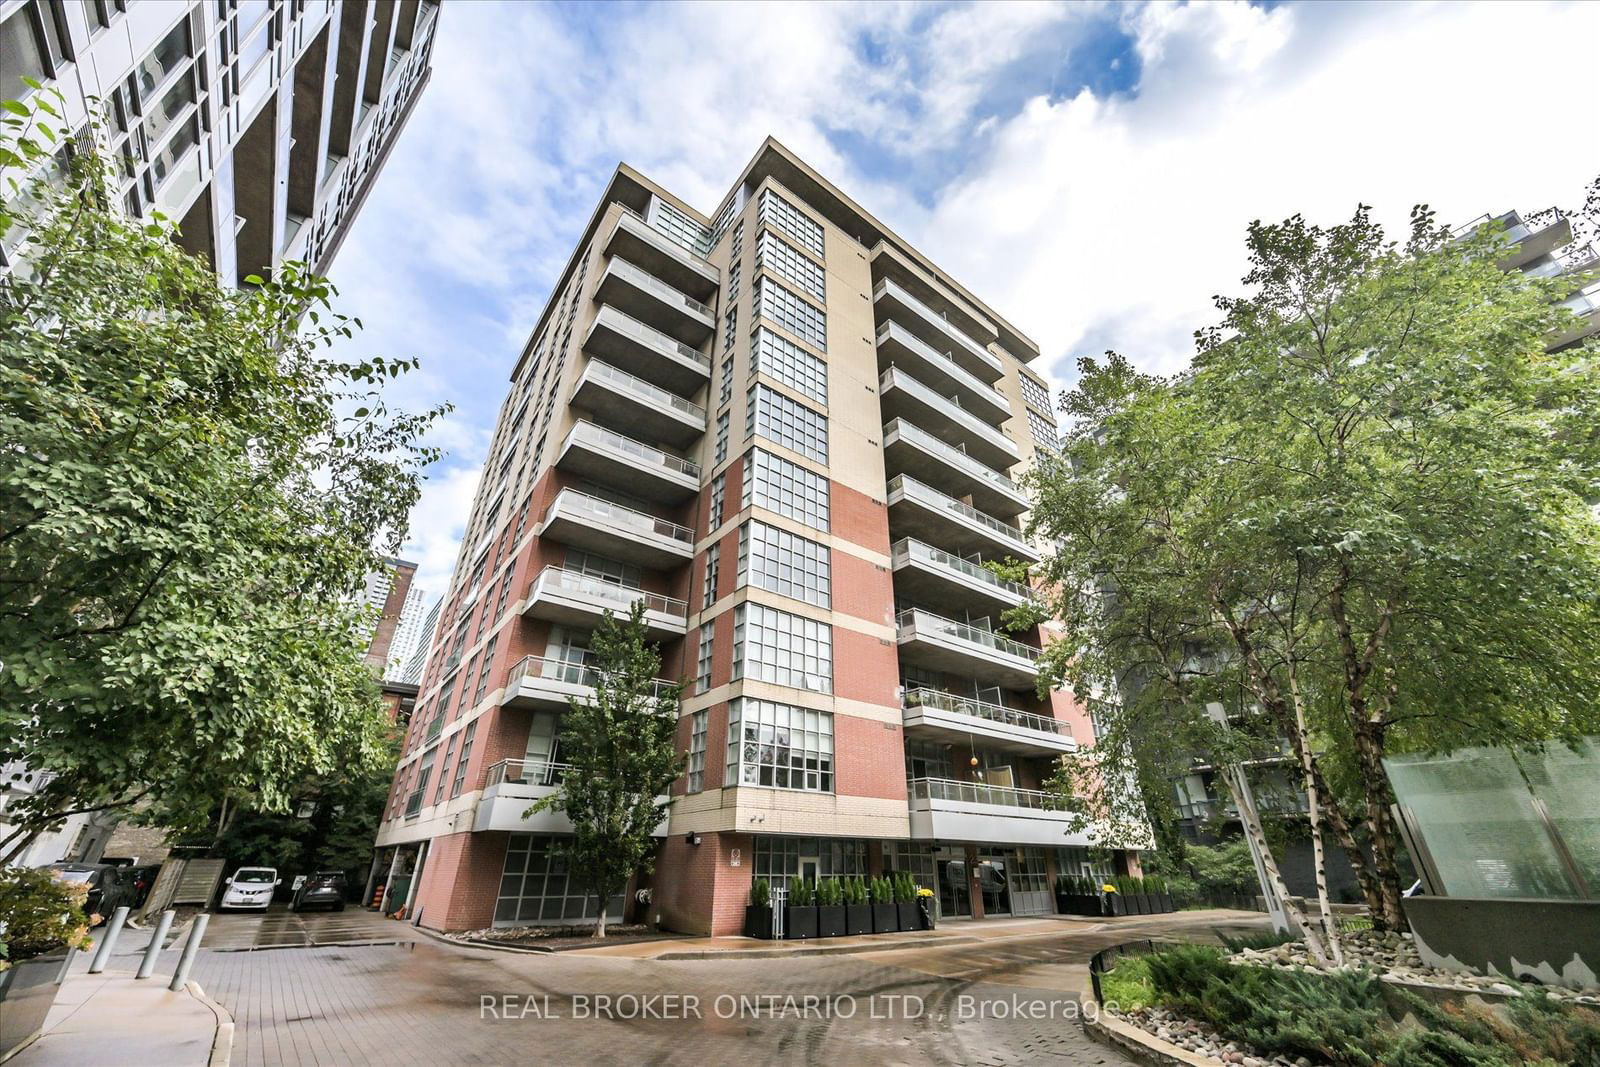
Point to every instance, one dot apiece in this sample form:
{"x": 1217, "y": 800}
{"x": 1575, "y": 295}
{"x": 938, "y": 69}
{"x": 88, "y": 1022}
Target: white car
{"x": 250, "y": 888}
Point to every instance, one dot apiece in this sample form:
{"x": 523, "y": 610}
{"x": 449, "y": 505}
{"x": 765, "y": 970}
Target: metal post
{"x": 66, "y": 965}
{"x": 152, "y": 951}
{"x": 113, "y": 928}
{"x": 191, "y": 949}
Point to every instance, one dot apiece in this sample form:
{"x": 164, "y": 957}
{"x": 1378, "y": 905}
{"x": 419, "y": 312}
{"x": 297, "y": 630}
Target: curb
{"x": 1140, "y": 1044}
{"x": 222, "y": 1043}
{"x": 819, "y": 950}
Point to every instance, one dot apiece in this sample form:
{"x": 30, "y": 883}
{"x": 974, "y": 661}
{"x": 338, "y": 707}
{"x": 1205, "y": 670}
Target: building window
{"x": 607, "y": 570}
{"x": 779, "y": 746}
{"x": 727, "y": 374}
{"x": 786, "y": 262}
{"x": 1034, "y": 393}
{"x": 425, "y": 768}
{"x": 708, "y": 585}
{"x": 777, "y": 212}
{"x": 537, "y": 886}
{"x": 444, "y": 768}
{"x": 774, "y": 646}
{"x": 1043, "y": 431}
{"x": 737, "y": 248}
{"x": 788, "y": 310}
{"x": 483, "y": 670}
{"x": 702, "y": 666}
{"x": 461, "y": 760}
{"x": 680, "y": 227}
{"x": 696, "y": 763}
{"x": 733, "y": 285}
{"x": 722, "y": 438}
{"x": 786, "y": 488}
{"x": 719, "y": 495}
{"x": 730, "y": 330}
{"x": 780, "y": 358}
{"x": 783, "y": 563}
{"x": 780, "y": 859}
{"x": 787, "y": 422}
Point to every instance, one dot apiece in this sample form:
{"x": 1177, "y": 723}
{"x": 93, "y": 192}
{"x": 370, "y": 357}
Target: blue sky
{"x": 1087, "y": 168}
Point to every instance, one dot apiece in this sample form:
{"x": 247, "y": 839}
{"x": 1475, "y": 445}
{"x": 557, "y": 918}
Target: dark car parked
{"x": 142, "y": 879}
{"x": 109, "y": 887}
{"x": 321, "y": 888}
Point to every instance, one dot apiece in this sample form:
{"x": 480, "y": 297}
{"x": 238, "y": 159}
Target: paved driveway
{"x": 1011, "y": 1001}
{"x": 279, "y": 927}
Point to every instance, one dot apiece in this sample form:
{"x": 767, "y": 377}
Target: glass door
{"x": 954, "y": 899}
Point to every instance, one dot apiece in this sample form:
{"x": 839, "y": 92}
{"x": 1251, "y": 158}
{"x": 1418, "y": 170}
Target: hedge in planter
{"x": 42, "y": 917}
{"x": 830, "y": 908}
{"x": 800, "y": 914}
{"x": 885, "y": 919}
{"x": 758, "y": 913}
{"x": 857, "y": 912}
{"x": 905, "y": 900}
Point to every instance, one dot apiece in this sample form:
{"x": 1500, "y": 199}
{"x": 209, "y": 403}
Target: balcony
{"x": 912, "y": 450}
{"x": 575, "y": 599}
{"x": 893, "y": 301}
{"x": 898, "y": 346}
{"x": 592, "y": 451}
{"x": 901, "y": 395}
{"x": 923, "y": 512}
{"x": 1587, "y": 307}
{"x": 628, "y": 344}
{"x": 647, "y": 298}
{"x": 941, "y": 644}
{"x": 951, "y": 719}
{"x": 618, "y": 398}
{"x": 1527, "y": 241}
{"x": 944, "y": 809}
{"x": 545, "y": 683}
{"x": 931, "y": 575}
{"x": 617, "y": 532}
{"x": 889, "y": 262}
{"x": 636, "y": 241}
{"x": 514, "y": 785}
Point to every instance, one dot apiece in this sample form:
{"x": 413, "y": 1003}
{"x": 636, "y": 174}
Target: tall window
{"x": 425, "y": 768}
{"x": 730, "y": 323}
{"x": 780, "y": 214}
{"x": 787, "y": 488}
{"x": 775, "y": 646}
{"x": 696, "y": 763}
{"x": 727, "y": 376}
{"x": 483, "y": 671}
{"x": 779, "y": 745}
{"x": 1034, "y": 394}
{"x": 461, "y": 760}
{"x": 790, "y": 364}
{"x": 1042, "y": 431}
{"x": 708, "y": 585}
{"x": 804, "y": 320}
{"x": 719, "y": 495}
{"x": 787, "y": 422}
{"x": 733, "y": 283}
{"x": 784, "y": 563}
{"x": 786, "y": 262}
{"x": 722, "y": 438}
{"x": 444, "y": 768}
{"x": 702, "y": 666}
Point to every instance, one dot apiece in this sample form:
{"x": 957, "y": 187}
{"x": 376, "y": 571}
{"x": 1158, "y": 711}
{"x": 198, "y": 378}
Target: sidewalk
{"x": 111, "y": 1018}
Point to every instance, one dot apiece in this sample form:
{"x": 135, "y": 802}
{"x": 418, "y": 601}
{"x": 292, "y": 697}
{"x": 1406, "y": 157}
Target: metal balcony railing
{"x": 622, "y": 322}
{"x": 1000, "y": 796}
{"x": 925, "y": 623}
{"x": 600, "y": 437}
{"x": 617, "y": 515}
{"x": 642, "y": 389}
{"x": 950, "y": 454}
{"x": 947, "y": 328}
{"x": 645, "y": 280}
{"x": 614, "y": 595}
{"x": 572, "y": 672}
{"x": 908, "y": 549}
{"x": 980, "y": 709}
{"x": 527, "y": 772}
{"x": 927, "y": 494}
{"x": 898, "y": 377}
{"x": 940, "y": 360}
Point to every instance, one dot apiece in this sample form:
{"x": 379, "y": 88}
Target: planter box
{"x": 799, "y": 923}
{"x": 27, "y": 990}
{"x": 1147, "y": 903}
{"x": 1114, "y": 904}
{"x": 1166, "y": 902}
{"x": 758, "y": 921}
{"x": 885, "y": 918}
{"x": 907, "y": 911}
{"x": 858, "y": 919}
{"x": 925, "y": 920}
{"x": 830, "y": 920}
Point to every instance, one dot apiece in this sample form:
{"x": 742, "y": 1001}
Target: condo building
{"x": 259, "y": 125}
{"x": 794, "y": 438}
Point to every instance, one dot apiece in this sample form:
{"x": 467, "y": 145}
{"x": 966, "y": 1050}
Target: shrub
{"x": 829, "y": 892}
{"x": 802, "y": 894}
{"x": 39, "y": 914}
{"x": 1127, "y": 985}
{"x": 760, "y": 893}
{"x": 855, "y": 892}
{"x": 905, "y": 890}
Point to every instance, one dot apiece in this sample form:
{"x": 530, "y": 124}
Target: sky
{"x": 1087, "y": 169}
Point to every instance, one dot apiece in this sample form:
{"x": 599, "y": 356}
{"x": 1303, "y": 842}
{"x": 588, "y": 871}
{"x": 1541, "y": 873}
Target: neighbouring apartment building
{"x": 259, "y": 125}
{"x": 794, "y": 438}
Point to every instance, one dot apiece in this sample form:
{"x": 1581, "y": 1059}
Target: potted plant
{"x": 905, "y": 900}
{"x": 830, "y": 908}
{"x": 857, "y": 913}
{"x": 1111, "y": 899}
{"x": 885, "y": 919}
{"x": 925, "y": 916}
{"x": 41, "y": 923}
{"x": 1156, "y": 885}
{"x": 1090, "y": 894}
{"x": 800, "y": 913}
{"x": 758, "y": 913}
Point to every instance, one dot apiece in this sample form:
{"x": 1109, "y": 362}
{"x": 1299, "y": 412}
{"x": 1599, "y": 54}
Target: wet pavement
{"x": 278, "y": 927}
{"x": 1010, "y": 1000}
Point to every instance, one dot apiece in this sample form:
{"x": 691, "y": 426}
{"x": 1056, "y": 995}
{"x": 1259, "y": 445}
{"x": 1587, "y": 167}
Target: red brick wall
{"x": 862, "y": 589}
{"x": 696, "y": 888}
{"x": 868, "y": 758}
{"x": 865, "y": 667}
{"x": 858, "y": 518}
{"x": 461, "y": 880}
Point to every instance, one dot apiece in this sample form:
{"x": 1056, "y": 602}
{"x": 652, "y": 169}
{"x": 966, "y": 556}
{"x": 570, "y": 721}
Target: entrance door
{"x": 954, "y": 899}
{"x": 994, "y": 886}
{"x": 808, "y": 869}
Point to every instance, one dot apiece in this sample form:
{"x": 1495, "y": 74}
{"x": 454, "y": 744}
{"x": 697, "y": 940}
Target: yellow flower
{"x": 1108, "y": 888}
{"x": 924, "y": 892}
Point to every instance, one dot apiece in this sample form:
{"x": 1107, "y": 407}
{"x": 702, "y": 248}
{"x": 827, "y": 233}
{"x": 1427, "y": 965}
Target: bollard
{"x": 66, "y": 965}
{"x": 152, "y": 951}
{"x": 113, "y": 928}
{"x": 191, "y": 949}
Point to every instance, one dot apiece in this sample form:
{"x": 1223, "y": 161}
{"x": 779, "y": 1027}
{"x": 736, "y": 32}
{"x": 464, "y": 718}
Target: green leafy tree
{"x": 622, "y": 756}
{"x": 192, "y": 490}
{"x": 1363, "y": 515}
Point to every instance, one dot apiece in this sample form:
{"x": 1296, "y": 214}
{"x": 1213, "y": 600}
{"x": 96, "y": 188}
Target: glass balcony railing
{"x": 982, "y": 709}
{"x": 626, "y": 324}
{"x": 948, "y": 366}
{"x": 946, "y": 328}
{"x": 918, "y": 623}
{"x": 617, "y": 597}
{"x": 636, "y": 386}
{"x": 571, "y": 672}
{"x": 527, "y": 772}
{"x": 645, "y": 280}
{"x": 907, "y": 549}
{"x": 898, "y": 378}
{"x": 599, "y": 437}
{"x": 999, "y": 796}
{"x": 951, "y": 455}
{"x": 927, "y": 494}
{"x": 607, "y": 513}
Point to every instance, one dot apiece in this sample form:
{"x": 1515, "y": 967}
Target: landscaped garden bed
{"x": 557, "y": 938}
{"x": 1262, "y": 1004}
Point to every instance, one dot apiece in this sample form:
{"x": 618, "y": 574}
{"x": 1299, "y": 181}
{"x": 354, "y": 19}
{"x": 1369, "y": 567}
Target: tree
{"x": 1362, "y": 514}
{"x": 191, "y": 493}
{"x": 622, "y": 756}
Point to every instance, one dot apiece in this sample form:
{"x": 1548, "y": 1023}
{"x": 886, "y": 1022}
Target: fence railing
{"x": 950, "y": 454}
{"x": 645, "y": 390}
{"x": 618, "y": 597}
{"x": 599, "y": 436}
{"x": 623, "y": 322}
{"x": 934, "y": 498}
{"x": 908, "y": 548}
{"x": 612, "y": 514}
{"x": 980, "y": 709}
{"x": 644, "y": 279}
{"x": 917, "y": 621}
{"x": 527, "y": 772}
{"x": 1000, "y": 796}
{"x": 572, "y": 672}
